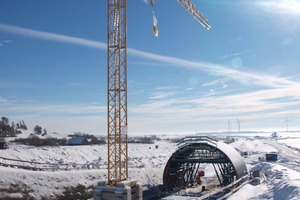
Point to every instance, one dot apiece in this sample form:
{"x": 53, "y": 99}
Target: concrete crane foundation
{"x": 125, "y": 190}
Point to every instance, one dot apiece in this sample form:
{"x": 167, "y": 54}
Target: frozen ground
{"x": 87, "y": 165}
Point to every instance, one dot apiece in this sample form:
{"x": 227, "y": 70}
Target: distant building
{"x": 274, "y": 135}
{"x": 78, "y": 140}
{"x": 3, "y": 145}
{"x": 271, "y": 157}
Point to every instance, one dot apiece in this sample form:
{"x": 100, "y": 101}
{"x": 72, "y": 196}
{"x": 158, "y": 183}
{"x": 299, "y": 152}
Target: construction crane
{"x": 193, "y": 10}
{"x": 117, "y": 123}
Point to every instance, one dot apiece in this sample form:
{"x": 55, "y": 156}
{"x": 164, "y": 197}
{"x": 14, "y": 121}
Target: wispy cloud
{"x": 165, "y": 111}
{"x": 218, "y": 85}
{"x": 7, "y": 83}
{"x": 167, "y": 107}
{"x": 214, "y": 82}
{"x": 3, "y": 43}
{"x": 289, "y": 7}
{"x": 246, "y": 78}
{"x": 162, "y": 95}
{"x": 224, "y": 85}
{"x": 240, "y": 76}
{"x": 75, "y": 84}
{"x": 235, "y": 54}
{"x": 166, "y": 88}
{"x": 247, "y": 106}
{"x": 211, "y": 92}
{"x": 146, "y": 1}
{"x": 51, "y": 36}
{"x": 55, "y": 117}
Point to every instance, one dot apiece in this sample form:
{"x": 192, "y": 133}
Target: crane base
{"x": 125, "y": 190}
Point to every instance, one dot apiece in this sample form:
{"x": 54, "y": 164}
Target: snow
{"x": 282, "y": 177}
{"x": 86, "y": 165}
{"x": 256, "y": 191}
{"x": 291, "y": 142}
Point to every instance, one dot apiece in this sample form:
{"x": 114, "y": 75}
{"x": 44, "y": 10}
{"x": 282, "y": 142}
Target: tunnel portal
{"x": 183, "y": 167}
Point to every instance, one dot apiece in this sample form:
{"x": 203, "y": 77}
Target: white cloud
{"x": 56, "y": 117}
{"x": 165, "y": 107}
{"x": 146, "y": 1}
{"x": 246, "y": 78}
{"x": 247, "y": 106}
{"x": 289, "y": 7}
{"x": 162, "y": 95}
{"x": 165, "y": 112}
{"x": 51, "y": 36}
{"x": 2, "y": 43}
{"x": 214, "y": 82}
{"x": 234, "y": 54}
{"x": 283, "y": 15}
{"x": 223, "y": 84}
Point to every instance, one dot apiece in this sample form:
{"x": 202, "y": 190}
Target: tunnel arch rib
{"x": 183, "y": 166}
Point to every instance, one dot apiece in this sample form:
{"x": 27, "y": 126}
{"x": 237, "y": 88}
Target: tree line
{"x": 8, "y": 129}
{"x": 12, "y": 129}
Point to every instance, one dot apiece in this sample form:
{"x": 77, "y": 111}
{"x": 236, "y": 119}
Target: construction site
{"x": 182, "y": 169}
{"x": 176, "y": 158}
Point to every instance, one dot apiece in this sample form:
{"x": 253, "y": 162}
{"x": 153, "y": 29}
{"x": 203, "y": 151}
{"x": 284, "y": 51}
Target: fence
{"x": 40, "y": 166}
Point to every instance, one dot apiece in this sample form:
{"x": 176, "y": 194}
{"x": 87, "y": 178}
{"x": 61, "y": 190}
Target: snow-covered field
{"x": 87, "y": 166}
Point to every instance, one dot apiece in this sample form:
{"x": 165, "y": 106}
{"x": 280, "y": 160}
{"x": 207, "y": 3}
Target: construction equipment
{"x": 193, "y": 10}
{"x": 189, "y": 6}
{"x": 117, "y": 138}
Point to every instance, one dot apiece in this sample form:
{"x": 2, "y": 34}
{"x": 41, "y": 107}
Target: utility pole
{"x": 229, "y": 125}
{"x": 287, "y": 124}
{"x": 239, "y": 124}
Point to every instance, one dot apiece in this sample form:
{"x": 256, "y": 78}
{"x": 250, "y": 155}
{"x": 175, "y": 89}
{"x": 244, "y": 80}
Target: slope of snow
{"x": 250, "y": 192}
{"x": 45, "y": 184}
{"x": 280, "y": 183}
{"x": 291, "y": 142}
{"x": 282, "y": 177}
{"x": 87, "y": 166}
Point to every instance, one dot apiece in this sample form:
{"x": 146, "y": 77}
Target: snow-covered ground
{"x": 87, "y": 166}
{"x": 282, "y": 178}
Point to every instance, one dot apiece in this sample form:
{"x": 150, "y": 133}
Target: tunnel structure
{"x": 183, "y": 166}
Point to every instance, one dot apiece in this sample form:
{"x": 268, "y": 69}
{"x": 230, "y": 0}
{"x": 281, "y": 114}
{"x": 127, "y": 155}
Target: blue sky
{"x": 188, "y": 79}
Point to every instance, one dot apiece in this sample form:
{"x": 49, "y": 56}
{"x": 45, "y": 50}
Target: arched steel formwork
{"x": 183, "y": 165}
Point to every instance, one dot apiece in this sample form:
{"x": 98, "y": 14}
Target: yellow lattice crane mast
{"x": 117, "y": 92}
{"x": 117, "y": 122}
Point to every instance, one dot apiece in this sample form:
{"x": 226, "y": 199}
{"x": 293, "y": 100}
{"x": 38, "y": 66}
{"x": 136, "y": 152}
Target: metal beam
{"x": 193, "y": 10}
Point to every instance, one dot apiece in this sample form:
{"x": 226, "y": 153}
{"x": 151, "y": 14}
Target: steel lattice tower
{"x": 117, "y": 85}
{"x": 117, "y": 92}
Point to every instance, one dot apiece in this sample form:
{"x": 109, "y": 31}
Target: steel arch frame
{"x": 181, "y": 168}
